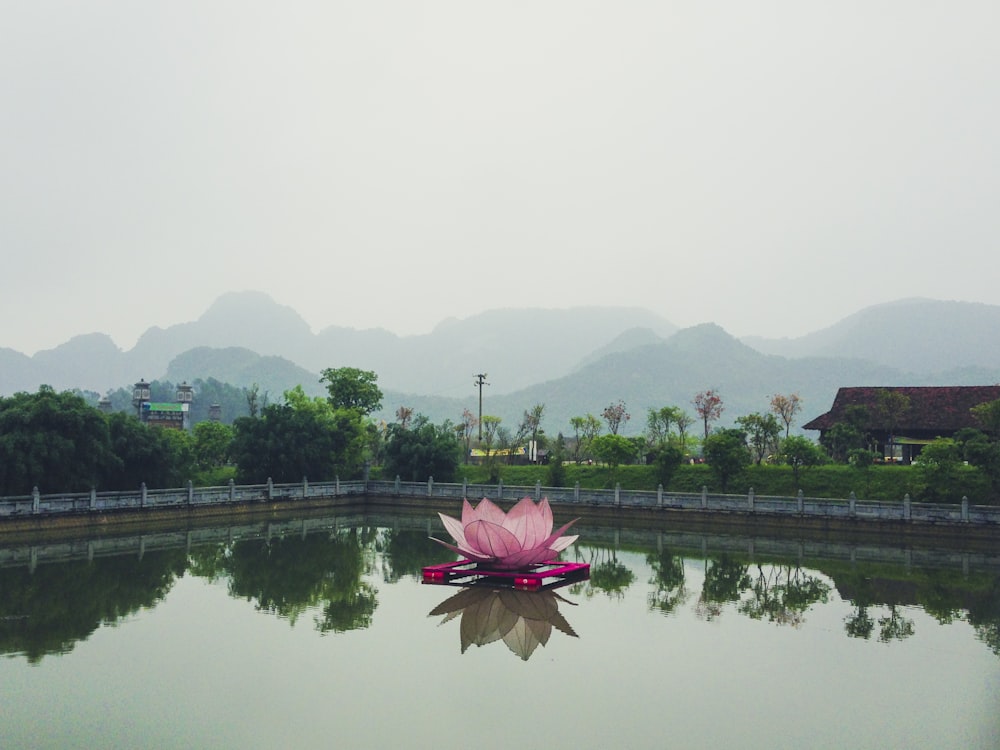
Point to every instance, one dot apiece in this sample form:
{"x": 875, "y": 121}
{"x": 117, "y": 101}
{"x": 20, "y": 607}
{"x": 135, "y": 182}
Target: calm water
{"x": 318, "y": 632}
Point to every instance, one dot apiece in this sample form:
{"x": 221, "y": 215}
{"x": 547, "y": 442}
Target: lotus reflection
{"x": 521, "y": 619}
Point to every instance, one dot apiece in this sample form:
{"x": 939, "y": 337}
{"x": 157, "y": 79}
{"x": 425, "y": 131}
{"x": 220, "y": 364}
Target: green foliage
{"x": 351, "y": 388}
{"x": 422, "y": 450}
{"x": 158, "y": 457}
{"x": 557, "y": 467}
{"x": 54, "y": 441}
{"x": 613, "y": 450}
{"x": 302, "y": 438}
{"x": 666, "y": 459}
{"x": 212, "y": 444}
{"x": 938, "y": 468}
{"x": 799, "y": 453}
{"x": 988, "y": 415}
{"x": 585, "y": 429}
{"x": 727, "y": 455}
{"x": 762, "y": 432}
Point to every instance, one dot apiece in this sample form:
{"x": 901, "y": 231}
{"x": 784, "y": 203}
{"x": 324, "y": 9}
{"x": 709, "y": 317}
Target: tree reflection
{"x": 49, "y": 610}
{"x": 289, "y": 575}
{"x": 860, "y": 623}
{"x": 668, "y": 578}
{"x": 725, "y": 581}
{"x": 407, "y": 553}
{"x": 782, "y": 594}
{"x": 607, "y": 573}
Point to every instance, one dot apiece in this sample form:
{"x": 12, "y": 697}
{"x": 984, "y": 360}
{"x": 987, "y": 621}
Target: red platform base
{"x": 466, "y": 572}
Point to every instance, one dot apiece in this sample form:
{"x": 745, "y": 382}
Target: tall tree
{"x": 585, "y": 429}
{"x": 708, "y": 405}
{"x": 351, "y": 388}
{"x": 727, "y": 455}
{"x": 762, "y": 433}
{"x": 422, "y": 451}
{"x": 616, "y": 415}
{"x": 785, "y": 408}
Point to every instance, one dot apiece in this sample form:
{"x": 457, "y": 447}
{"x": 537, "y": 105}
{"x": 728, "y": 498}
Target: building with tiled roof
{"x": 933, "y": 412}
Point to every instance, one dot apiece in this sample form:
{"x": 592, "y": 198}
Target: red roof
{"x": 944, "y": 409}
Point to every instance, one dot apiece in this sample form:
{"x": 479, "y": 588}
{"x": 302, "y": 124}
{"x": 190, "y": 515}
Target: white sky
{"x": 769, "y": 166}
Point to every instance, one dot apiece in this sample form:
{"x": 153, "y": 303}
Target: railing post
{"x": 500, "y": 489}
{"x": 852, "y": 504}
{"x": 93, "y": 498}
{"x": 798, "y": 499}
{"x": 430, "y": 486}
{"x": 232, "y": 490}
{"x": 750, "y": 499}
{"x": 35, "y": 500}
{"x": 576, "y": 492}
{"x": 190, "y": 492}
{"x": 142, "y": 495}
{"x": 336, "y": 485}
{"x": 465, "y": 487}
{"x": 270, "y": 488}
{"x": 395, "y": 486}
{"x": 659, "y": 495}
{"x": 965, "y": 509}
{"x": 907, "y": 511}
{"x": 538, "y": 490}
{"x": 618, "y": 494}
{"x": 704, "y": 496}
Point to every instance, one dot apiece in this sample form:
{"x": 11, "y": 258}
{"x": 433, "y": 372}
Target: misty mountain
{"x": 574, "y": 361}
{"x": 917, "y": 335}
{"x": 674, "y": 371}
{"x": 514, "y": 347}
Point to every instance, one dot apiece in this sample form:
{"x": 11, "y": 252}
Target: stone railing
{"x": 48, "y": 505}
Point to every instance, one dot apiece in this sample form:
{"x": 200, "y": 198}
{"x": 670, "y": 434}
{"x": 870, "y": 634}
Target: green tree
{"x": 762, "y": 431}
{"x": 666, "y": 460}
{"x": 557, "y": 466}
{"x": 613, "y": 450}
{"x": 212, "y": 444}
{"x": 351, "y": 388}
{"x": 800, "y": 453}
{"x": 938, "y": 466}
{"x": 988, "y": 415}
{"x": 585, "y": 429}
{"x": 54, "y": 441}
{"x": 727, "y": 455}
{"x": 659, "y": 422}
{"x": 300, "y": 438}
{"x": 422, "y": 451}
{"x": 490, "y": 425}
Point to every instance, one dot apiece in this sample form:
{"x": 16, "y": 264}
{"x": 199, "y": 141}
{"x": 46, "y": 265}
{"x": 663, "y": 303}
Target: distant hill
{"x": 574, "y": 361}
{"x": 514, "y": 347}
{"x": 916, "y": 335}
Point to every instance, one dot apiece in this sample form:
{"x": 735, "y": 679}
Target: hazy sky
{"x": 770, "y": 166}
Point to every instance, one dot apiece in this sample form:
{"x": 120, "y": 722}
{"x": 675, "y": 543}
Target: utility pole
{"x": 481, "y": 381}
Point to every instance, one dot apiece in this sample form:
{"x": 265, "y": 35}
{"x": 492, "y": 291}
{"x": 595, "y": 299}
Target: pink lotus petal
{"x": 468, "y": 513}
{"x": 454, "y": 527}
{"x": 527, "y": 557}
{"x": 464, "y": 551}
{"x": 558, "y": 533}
{"x": 492, "y": 539}
{"x": 489, "y": 511}
{"x": 528, "y": 523}
{"x": 562, "y": 543}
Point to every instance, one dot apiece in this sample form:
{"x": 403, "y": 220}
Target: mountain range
{"x": 575, "y": 361}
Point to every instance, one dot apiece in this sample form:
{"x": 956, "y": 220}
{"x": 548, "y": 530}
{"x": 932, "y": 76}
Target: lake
{"x": 317, "y": 630}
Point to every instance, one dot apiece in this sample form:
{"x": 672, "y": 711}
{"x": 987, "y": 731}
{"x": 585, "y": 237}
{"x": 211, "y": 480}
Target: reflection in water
{"x": 53, "y": 596}
{"x": 50, "y": 609}
{"x": 522, "y": 619}
{"x": 289, "y": 575}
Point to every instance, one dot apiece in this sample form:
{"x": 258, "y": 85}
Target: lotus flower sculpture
{"x": 513, "y": 540}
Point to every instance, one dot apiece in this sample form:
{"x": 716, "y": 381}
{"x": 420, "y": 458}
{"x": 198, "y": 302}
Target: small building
{"x": 931, "y": 412}
{"x": 173, "y": 416}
